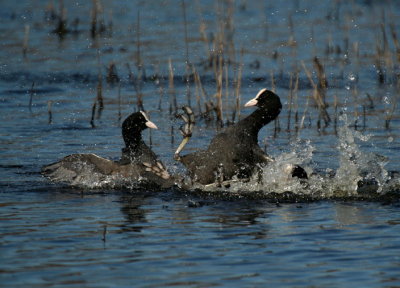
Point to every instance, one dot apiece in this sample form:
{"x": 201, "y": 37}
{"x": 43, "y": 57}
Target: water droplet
{"x": 386, "y": 100}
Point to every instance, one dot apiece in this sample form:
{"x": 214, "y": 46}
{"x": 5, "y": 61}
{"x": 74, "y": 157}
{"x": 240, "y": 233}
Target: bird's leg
{"x": 186, "y": 129}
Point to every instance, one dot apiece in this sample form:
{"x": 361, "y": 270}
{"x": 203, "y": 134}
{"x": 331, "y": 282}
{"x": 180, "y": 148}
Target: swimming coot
{"x": 138, "y": 165}
{"x": 234, "y": 151}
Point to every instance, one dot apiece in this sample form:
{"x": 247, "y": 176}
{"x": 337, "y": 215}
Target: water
{"x": 338, "y": 230}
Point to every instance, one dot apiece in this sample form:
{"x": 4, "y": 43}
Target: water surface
{"x": 53, "y": 235}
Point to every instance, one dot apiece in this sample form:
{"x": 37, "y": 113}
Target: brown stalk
{"x": 317, "y": 97}
{"x": 172, "y": 103}
{"x": 49, "y": 104}
{"x": 187, "y": 63}
{"x": 26, "y": 41}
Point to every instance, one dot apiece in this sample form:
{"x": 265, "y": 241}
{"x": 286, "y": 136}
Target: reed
{"x": 172, "y": 136}
{"x": 104, "y": 234}
{"x": 93, "y": 23}
{"x": 218, "y": 79}
{"x": 273, "y": 89}
{"x": 364, "y": 117}
{"x": 200, "y": 92}
{"x": 49, "y": 104}
{"x": 238, "y": 83}
{"x": 93, "y": 113}
{"x": 356, "y": 103}
{"x": 159, "y": 83}
{"x": 119, "y": 105}
{"x": 296, "y": 105}
{"x": 26, "y": 40}
{"x": 317, "y": 96}
{"x": 335, "y": 106}
{"x": 203, "y": 34}
{"x": 173, "y": 105}
{"x": 187, "y": 63}
{"x": 322, "y": 82}
{"x": 290, "y": 102}
{"x": 371, "y": 101}
{"x": 99, "y": 96}
{"x": 389, "y": 114}
{"x": 31, "y": 92}
{"x": 395, "y": 40}
{"x": 50, "y": 12}
{"x": 112, "y": 74}
{"x": 61, "y": 28}
{"x": 139, "y": 66}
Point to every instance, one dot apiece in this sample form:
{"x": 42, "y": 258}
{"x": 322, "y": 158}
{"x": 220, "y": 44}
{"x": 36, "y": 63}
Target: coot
{"x": 138, "y": 166}
{"x": 235, "y": 151}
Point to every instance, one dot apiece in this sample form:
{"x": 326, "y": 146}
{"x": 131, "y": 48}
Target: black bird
{"x": 235, "y": 151}
{"x": 138, "y": 166}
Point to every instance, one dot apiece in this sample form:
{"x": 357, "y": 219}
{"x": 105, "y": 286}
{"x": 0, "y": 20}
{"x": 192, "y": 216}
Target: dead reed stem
{"x": 49, "y": 104}
{"x": 187, "y": 63}
{"x": 139, "y": 66}
{"x": 119, "y": 105}
{"x": 272, "y": 81}
{"x": 218, "y": 76}
{"x": 317, "y": 97}
{"x": 31, "y": 92}
{"x": 100, "y": 95}
{"x": 296, "y": 108}
{"x": 355, "y": 96}
{"x": 93, "y": 114}
{"x": 26, "y": 41}
{"x": 290, "y": 99}
{"x": 200, "y": 92}
{"x": 61, "y": 28}
{"x": 172, "y": 95}
{"x": 93, "y": 23}
{"x": 104, "y": 234}
{"x": 237, "y": 88}
{"x": 389, "y": 115}
{"x": 395, "y": 40}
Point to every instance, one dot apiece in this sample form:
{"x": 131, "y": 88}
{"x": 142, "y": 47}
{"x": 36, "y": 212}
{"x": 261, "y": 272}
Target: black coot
{"x": 138, "y": 164}
{"x": 235, "y": 151}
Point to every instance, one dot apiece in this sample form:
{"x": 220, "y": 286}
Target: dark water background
{"x": 52, "y": 235}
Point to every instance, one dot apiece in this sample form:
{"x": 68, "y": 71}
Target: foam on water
{"x": 359, "y": 173}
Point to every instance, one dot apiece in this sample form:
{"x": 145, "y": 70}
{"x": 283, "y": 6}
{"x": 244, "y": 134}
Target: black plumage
{"x": 138, "y": 166}
{"x": 235, "y": 151}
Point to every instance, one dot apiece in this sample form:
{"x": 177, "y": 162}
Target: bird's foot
{"x": 157, "y": 169}
{"x": 186, "y": 130}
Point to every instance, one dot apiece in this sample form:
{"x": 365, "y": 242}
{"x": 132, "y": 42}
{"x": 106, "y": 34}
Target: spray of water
{"x": 359, "y": 173}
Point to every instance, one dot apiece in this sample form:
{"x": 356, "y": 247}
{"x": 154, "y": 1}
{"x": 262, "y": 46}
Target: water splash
{"x": 358, "y": 170}
{"x": 359, "y": 174}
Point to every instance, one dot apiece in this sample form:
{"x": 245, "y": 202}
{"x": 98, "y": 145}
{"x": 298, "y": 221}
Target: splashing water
{"x": 358, "y": 169}
{"x": 359, "y": 173}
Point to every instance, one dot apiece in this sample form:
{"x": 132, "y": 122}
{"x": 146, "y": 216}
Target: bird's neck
{"x": 133, "y": 141}
{"x": 253, "y": 123}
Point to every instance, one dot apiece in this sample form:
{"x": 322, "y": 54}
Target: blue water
{"x": 52, "y": 235}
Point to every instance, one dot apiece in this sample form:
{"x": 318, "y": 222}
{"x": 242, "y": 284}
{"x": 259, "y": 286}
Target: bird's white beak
{"x": 151, "y": 125}
{"x": 252, "y": 102}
